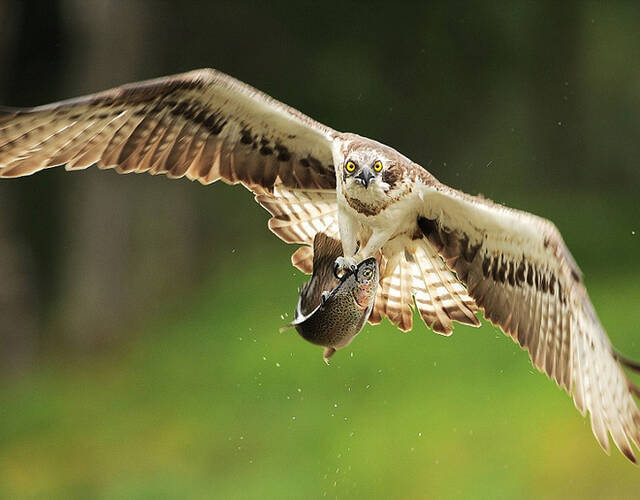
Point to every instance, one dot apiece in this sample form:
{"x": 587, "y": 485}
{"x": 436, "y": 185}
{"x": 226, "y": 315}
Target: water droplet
{"x": 420, "y": 434}
{"x": 277, "y": 365}
{"x": 293, "y": 418}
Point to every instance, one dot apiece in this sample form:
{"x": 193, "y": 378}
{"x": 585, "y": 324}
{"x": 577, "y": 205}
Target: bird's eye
{"x": 350, "y": 166}
{"x": 377, "y": 166}
{"x": 367, "y": 273}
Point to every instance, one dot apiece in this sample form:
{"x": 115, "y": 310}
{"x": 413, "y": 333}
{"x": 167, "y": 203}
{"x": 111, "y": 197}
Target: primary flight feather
{"x": 441, "y": 251}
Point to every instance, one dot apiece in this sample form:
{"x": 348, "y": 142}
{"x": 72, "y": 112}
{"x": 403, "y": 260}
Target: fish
{"x": 332, "y": 310}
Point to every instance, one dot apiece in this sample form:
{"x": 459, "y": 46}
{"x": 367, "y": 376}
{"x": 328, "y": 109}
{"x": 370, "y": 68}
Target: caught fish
{"x": 332, "y": 311}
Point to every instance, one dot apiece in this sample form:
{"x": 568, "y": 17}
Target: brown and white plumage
{"x": 441, "y": 252}
{"x": 518, "y": 269}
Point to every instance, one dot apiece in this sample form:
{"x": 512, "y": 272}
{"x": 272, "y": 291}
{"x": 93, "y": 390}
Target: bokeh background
{"x": 139, "y": 347}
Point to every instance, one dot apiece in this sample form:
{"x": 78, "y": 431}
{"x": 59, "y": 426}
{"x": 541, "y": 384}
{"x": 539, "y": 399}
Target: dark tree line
{"x": 489, "y": 98}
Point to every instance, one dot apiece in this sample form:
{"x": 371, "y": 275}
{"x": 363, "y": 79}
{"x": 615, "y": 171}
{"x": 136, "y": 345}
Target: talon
{"x": 344, "y": 264}
{"x": 336, "y": 271}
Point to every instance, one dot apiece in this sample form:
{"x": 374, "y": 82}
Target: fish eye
{"x": 367, "y": 273}
{"x": 377, "y": 166}
{"x": 350, "y": 166}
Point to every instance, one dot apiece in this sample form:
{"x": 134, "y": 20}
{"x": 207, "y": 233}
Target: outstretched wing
{"x": 203, "y": 125}
{"x": 519, "y": 271}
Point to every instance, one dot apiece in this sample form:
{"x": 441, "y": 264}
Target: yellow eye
{"x": 377, "y": 166}
{"x": 367, "y": 273}
{"x": 350, "y": 166}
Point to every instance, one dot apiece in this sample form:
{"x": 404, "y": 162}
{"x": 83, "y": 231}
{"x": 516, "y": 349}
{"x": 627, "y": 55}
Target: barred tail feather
{"x": 419, "y": 274}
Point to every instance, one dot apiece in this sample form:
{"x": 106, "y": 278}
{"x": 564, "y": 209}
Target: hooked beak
{"x": 364, "y": 177}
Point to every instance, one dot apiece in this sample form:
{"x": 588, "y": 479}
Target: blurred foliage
{"x": 210, "y": 400}
{"x": 145, "y": 315}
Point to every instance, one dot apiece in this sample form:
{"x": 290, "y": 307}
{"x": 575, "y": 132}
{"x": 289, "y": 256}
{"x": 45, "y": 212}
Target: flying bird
{"x": 446, "y": 253}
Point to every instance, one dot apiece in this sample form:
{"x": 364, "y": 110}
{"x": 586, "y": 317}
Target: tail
{"x": 631, "y": 365}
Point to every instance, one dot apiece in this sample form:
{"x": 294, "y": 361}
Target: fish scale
{"x": 332, "y": 311}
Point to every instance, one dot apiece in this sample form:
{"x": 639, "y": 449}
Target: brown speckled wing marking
{"x": 519, "y": 271}
{"x": 298, "y": 215}
{"x": 419, "y": 274}
{"x": 202, "y": 125}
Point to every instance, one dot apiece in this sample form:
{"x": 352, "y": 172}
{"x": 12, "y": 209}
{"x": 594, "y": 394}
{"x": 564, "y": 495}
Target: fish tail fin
{"x": 328, "y": 352}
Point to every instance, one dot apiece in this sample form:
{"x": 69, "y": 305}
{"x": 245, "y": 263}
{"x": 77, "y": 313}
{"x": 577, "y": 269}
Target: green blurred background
{"x": 140, "y": 355}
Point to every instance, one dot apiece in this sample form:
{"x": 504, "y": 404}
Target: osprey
{"x": 448, "y": 253}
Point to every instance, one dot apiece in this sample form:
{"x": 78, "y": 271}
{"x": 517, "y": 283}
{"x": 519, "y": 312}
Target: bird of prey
{"x": 441, "y": 251}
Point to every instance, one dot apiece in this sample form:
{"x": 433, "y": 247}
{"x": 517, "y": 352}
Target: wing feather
{"x": 203, "y": 125}
{"x": 523, "y": 277}
{"x": 165, "y": 126}
{"x": 415, "y": 275}
{"x": 297, "y": 216}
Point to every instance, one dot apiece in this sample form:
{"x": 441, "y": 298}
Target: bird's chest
{"x": 373, "y": 211}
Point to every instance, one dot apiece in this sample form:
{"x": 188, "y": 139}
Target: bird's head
{"x": 360, "y": 170}
{"x": 366, "y": 167}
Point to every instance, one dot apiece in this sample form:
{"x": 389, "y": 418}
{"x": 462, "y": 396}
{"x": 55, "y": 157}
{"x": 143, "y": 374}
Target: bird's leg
{"x": 377, "y": 240}
{"x": 349, "y": 237}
